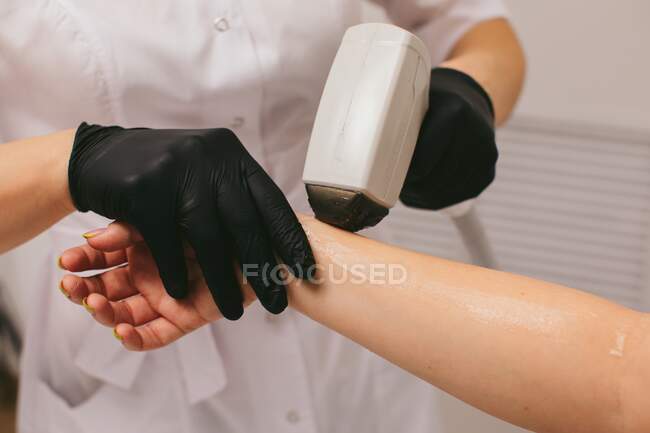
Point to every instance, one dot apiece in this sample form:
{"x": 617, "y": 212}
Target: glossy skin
{"x": 542, "y": 356}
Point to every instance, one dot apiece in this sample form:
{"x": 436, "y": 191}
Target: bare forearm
{"x": 542, "y": 356}
{"x": 491, "y": 54}
{"x": 33, "y": 186}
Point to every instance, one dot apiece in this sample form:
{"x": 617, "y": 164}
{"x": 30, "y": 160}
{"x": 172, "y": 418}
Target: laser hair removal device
{"x": 367, "y": 125}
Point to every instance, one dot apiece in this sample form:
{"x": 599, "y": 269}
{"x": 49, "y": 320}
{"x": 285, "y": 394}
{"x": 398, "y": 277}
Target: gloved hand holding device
{"x": 389, "y": 126}
{"x": 198, "y": 184}
{"x": 455, "y": 155}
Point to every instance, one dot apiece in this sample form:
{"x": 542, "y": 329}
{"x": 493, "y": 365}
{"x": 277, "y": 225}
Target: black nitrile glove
{"x": 455, "y": 156}
{"x": 198, "y": 184}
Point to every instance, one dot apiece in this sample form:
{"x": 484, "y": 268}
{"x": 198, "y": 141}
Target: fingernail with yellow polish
{"x": 116, "y": 335}
{"x": 64, "y": 291}
{"x": 59, "y": 263}
{"x": 88, "y": 308}
{"x": 93, "y": 233}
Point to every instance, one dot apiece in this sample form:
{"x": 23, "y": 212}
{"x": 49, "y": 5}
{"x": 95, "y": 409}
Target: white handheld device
{"x": 367, "y": 125}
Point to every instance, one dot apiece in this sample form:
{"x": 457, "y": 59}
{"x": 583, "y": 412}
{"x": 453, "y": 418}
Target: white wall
{"x": 589, "y": 60}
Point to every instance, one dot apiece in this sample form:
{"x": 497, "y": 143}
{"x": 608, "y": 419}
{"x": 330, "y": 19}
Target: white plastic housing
{"x": 370, "y": 113}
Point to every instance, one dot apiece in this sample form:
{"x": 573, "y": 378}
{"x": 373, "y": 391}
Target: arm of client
{"x": 538, "y": 355}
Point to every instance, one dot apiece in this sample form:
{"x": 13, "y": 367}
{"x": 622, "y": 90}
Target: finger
{"x": 205, "y": 235}
{"x": 152, "y": 335}
{"x": 86, "y": 258}
{"x": 114, "y": 285}
{"x": 166, "y": 247}
{"x": 257, "y": 260}
{"x": 286, "y": 233}
{"x": 116, "y": 236}
{"x": 134, "y": 310}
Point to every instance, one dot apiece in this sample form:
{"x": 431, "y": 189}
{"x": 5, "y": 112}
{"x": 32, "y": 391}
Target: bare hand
{"x": 131, "y": 297}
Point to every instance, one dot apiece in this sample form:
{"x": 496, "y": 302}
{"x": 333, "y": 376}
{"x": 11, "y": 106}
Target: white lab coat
{"x": 255, "y": 66}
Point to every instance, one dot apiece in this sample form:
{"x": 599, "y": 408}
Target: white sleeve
{"x": 440, "y": 23}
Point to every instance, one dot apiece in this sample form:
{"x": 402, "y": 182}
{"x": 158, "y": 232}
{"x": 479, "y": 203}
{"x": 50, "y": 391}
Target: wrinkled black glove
{"x": 456, "y": 154}
{"x": 198, "y": 184}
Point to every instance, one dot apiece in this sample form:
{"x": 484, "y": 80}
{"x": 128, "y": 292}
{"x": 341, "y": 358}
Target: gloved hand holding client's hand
{"x": 201, "y": 185}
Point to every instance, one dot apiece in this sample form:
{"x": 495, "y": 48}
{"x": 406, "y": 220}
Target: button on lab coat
{"x": 257, "y": 67}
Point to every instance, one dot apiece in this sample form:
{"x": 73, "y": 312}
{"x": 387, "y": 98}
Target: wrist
{"x": 86, "y": 140}
{"x": 298, "y": 289}
{"x": 63, "y": 148}
{"x": 449, "y": 78}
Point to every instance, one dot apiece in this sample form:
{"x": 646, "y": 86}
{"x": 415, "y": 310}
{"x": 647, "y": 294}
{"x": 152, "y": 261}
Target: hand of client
{"x": 132, "y": 297}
